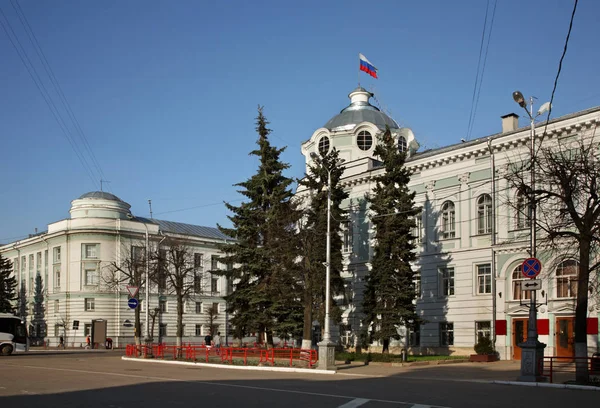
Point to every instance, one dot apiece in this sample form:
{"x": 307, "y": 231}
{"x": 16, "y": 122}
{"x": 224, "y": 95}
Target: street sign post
{"x": 531, "y": 267}
{"x": 533, "y": 284}
{"x": 132, "y": 303}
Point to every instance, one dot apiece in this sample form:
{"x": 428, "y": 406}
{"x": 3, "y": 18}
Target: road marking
{"x": 355, "y": 403}
{"x": 212, "y": 384}
{"x": 420, "y": 406}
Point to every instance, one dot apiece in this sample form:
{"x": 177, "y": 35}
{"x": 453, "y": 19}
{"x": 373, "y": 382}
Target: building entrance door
{"x": 565, "y": 336}
{"x": 519, "y": 335}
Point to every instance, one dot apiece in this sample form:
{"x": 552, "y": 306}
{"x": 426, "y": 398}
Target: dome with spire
{"x": 360, "y": 110}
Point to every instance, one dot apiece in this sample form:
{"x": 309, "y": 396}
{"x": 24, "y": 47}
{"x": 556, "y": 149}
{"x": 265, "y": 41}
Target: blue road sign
{"x": 531, "y": 267}
{"x": 132, "y": 303}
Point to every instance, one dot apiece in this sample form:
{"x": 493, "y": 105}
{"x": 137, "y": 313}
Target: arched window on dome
{"x": 324, "y": 145}
{"x": 402, "y": 146}
{"x": 517, "y": 280}
{"x": 364, "y": 140}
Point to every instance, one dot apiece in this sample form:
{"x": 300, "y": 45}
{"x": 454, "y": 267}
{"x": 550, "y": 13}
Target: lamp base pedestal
{"x": 326, "y": 356}
{"x": 532, "y": 354}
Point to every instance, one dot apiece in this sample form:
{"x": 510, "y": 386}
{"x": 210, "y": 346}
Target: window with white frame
{"x": 446, "y": 281}
{"x": 87, "y": 329}
{"x": 56, "y": 273}
{"x": 484, "y": 279}
{"x": 198, "y": 260}
{"x": 417, "y": 231}
{"x": 57, "y": 328}
{"x": 522, "y": 211}
{"x": 566, "y": 279}
{"x": 446, "y": 334}
{"x": 90, "y": 304}
{"x": 198, "y": 282}
{"x": 90, "y": 273}
{"x": 484, "y": 214}
{"x": 56, "y": 253}
{"x": 483, "y": 329}
{"x": 198, "y": 307}
{"x": 23, "y": 265}
{"x": 56, "y": 306}
{"x": 214, "y": 262}
{"x": 31, "y": 264}
{"x": 162, "y": 330}
{"x": 448, "y": 227}
{"x": 38, "y": 262}
{"x": 417, "y": 283}
{"x": 91, "y": 251}
{"x": 198, "y": 330}
{"x": 215, "y": 307}
{"x": 214, "y": 285}
{"x": 517, "y": 284}
{"x": 348, "y": 236}
{"x": 162, "y": 306}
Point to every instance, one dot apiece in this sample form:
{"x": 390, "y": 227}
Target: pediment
{"x": 517, "y": 310}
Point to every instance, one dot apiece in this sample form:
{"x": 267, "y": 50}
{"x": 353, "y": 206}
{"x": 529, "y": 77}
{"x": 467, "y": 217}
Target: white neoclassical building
{"x": 74, "y": 255}
{"x": 465, "y": 285}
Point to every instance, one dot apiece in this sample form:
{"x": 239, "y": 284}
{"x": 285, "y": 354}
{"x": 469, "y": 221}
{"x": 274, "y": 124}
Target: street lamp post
{"x": 532, "y": 350}
{"x": 326, "y": 346}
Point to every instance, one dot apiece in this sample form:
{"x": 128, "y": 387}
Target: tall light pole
{"x": 532, "y": 350}
{"x": 326, "y": 346}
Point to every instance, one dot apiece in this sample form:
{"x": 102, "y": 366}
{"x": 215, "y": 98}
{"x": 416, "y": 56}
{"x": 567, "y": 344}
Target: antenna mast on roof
{"x": 150, "y": 204}
{"x": 101, "y": 182}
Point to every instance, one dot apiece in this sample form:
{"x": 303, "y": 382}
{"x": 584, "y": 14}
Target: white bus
{"x": 13, "y": 334}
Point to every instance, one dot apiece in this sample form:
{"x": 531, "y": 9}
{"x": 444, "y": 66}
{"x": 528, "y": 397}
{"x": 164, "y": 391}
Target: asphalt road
{"x": 102, "y": 379}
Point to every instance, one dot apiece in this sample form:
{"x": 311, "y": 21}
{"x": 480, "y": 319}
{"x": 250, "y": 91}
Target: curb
{"x": 548, "y": 385}
{"x": 232, "y": 367}
{"x": 411, "y": 364}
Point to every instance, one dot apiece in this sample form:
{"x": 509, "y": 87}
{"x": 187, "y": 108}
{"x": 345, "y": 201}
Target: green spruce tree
{"x": 389, "y": 293}
{"x": 313, "y": 231}
{"x": 262, "y": 256}
{"x": 8, "y": 285}
{"x": 22, "y": 301}
{"x": 39, "y": 313}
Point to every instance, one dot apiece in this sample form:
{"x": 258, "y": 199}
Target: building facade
{"x": 78, "y": 257}
{"x": 466, "y": 286}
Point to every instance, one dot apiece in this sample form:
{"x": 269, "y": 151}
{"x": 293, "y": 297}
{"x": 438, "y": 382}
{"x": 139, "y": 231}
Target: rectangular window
{"x": 57, "y": 330}
{"x": 162, "y": 330}
{"x": 215, "y": 308}
{"x": 482, "y": 329}
{"x": 91, "y": 251}
{"x": 198, "y": 260}
{"x": 16, "y": 265}
{"x": 214, "y": 262}
{"x": 417, "y": 283}
{"x": 57, "y": 276}
{"x": 90, "y": 304}
{"x": 214, "y": 282}
{"x": 46, "y": 261}
{"x": 414, "y": 337}
{"x": 56, "y": 251}
{"x": 197, "y": 283}
{"x": 87, "y": 329}
{"x": 198, "y": 330}
{"x": 31, "y": 264}
{"x": 348, "y": 236}
{"x": 162, "y": 269}
{"x": 418, "y": 229}
{"x": 447, "y": 281}
{"x": 56, "y": 306}
{"x": 23, "y": 264}
{"x": 484, "y": 279}
{"x": 446, "y": 334}
{"x": 90, "y": 273}
{"x": 162, "y": 305}
{"x": 198, "y": 307}
{"x": 38, "y": 262}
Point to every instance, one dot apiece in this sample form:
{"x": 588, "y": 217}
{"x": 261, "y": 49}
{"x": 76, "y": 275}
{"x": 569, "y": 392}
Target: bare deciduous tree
{"x": 568, "y": 215}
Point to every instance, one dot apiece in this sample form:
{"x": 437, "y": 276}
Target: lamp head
{"x": 544, "y": 108}
{"x": 519, "y": 98}
{"x": 314, "y": 156}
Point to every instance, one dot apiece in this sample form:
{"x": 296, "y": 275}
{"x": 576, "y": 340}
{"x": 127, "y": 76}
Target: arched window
{"x": 401, "y": 144}
{"x": 364, "y": 140}
{"x": 324, "y": 145}
{"x": 517, "y": 280}
{"x": 448, "y": 220}
{"x": 484, "y": 214}
{"x": 522, "y": 211}
{"x": 566, "y": 279}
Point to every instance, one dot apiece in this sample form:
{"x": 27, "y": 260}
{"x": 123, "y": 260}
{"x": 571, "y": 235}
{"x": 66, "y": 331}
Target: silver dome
{"x": 360, "y": 111}
{"x": 101, "y": 195}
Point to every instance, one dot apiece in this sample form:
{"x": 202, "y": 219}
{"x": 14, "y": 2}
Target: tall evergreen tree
{"x": 22, "y": 301}
{"x": 313, "y": 231}
{"x": 263, "y": 252}
{"x": 389, "y": 293}
{"x": 8, "y": 285}
{"x": 39, "y": 313}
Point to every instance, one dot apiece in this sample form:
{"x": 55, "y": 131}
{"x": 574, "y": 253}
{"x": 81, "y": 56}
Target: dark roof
{"x": 186, "y": 229}
{"x": 101, "y": 195}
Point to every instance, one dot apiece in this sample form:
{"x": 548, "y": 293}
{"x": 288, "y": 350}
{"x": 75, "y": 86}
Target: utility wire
{"x": 41, "y": 55}
{"x": 562, "y": 57}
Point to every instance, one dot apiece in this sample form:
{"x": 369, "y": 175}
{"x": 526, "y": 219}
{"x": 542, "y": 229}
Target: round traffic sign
{"x": 132, "y": 303}
{"x": 531, "y": 267}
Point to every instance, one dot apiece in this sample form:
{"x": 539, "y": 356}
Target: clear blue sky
{"x": 166, "y": 91}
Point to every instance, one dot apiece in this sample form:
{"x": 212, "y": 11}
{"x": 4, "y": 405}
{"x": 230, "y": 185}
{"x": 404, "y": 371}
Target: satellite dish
{"x": 544, "y": 108}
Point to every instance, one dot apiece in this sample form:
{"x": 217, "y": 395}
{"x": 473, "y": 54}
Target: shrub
{"x": 484, "y": 346}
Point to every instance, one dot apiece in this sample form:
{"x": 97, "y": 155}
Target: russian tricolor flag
{"x": 366, "y": 66}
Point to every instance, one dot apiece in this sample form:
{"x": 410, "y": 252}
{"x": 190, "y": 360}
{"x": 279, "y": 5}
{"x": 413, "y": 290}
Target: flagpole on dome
{"x": 358, "y": 73}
